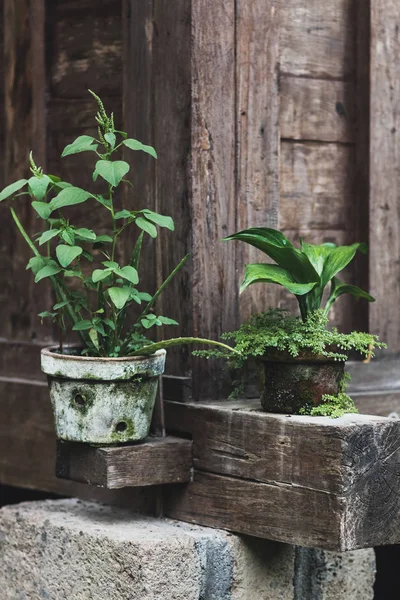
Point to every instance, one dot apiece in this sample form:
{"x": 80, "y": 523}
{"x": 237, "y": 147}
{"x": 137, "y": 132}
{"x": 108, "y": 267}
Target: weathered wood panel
{"x": 317, "y": 38}
{"x": 156, "y": 461}
{"x": 260, "y": 474}
{"x": 213, "y": 188}
{"x": 316, "y": 109}
{"x": 384, "y": 172}
{"x": 258, "y": 135}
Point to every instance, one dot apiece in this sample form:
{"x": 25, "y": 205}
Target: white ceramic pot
{"x": 102, "y": 400}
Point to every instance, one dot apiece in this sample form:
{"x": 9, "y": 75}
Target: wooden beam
{"x": 384, "y": 172}
{"x": 156, "y": 461}
{"x": 328, "y": 483}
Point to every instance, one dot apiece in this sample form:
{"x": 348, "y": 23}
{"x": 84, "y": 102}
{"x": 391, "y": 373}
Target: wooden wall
{"x": 259, "y": 110}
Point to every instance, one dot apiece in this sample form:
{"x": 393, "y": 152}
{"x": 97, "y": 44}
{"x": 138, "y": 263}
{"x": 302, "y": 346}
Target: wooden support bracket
{"x": 157, "y": 461}
{"x": 311, "y": 481}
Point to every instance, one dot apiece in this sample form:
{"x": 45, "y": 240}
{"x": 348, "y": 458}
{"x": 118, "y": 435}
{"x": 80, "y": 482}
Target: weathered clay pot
{"x": 288, "y": 384}
{"x": 102, "y": 400}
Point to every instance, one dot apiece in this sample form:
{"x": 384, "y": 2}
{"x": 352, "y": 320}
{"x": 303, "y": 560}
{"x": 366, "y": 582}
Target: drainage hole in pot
{"x": 121, "y": 427}
{"x": 79, "y": 400}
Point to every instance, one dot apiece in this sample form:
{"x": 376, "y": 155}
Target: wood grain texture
{"x": 258, "y": 133}
{"x": 316, "y": 186}
{"x": 316, "y": 109}
{"x": 213, "y": 188}
{"x": 260, "y": 474}
{"x": 156, "y": 461}
{"x": 384, "y": 172}
{"x": 317, "y": 38}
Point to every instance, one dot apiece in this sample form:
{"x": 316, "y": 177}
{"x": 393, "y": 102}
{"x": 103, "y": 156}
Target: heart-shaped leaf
{"x": 136, "y": 145}
{"x": 100, "y": 274}
{"x": 112, "y": 171}
{"x": 38, "y": 186}
{"x": 66, "y": 254}
{"x": 119, "y": 296}
{"x": 129, "y": 273}
{"x": 83, "y": 143}
{"x": 42, "y": 208}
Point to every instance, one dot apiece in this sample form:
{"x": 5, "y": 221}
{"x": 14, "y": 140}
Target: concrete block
{"x": 74, "y": 550}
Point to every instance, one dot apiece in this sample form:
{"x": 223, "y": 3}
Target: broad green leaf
{"x": 275, "y": 245}
{"x": 146, "y": 323}
{"x": 123, "y": 214}
{"x": 103, "y": 239}
{"x": 338, "y": 259}
{"x": 38, "y": 186}
{"x": 145, "y": 296}
{"x": 42, "y": 208}
{"x": 48, "y": 271}
{"x": 136, "y": 145}
{"x": 161, "y": 220}
{"x": 260, "y": 273}
{"x": 111, "y": 264}
{"x": 85, "y": 234}
{"x": 340, "y": 287}
{"x": 167, "y": 321}
{"x": 100, "y": 274}
{"x": 36, "y": 263}
{"x": 119, "y": 296}
{"x": 82, "y": 325}
{"x": 47, "y": 236}
{"x": 69, "y": 197}
{"x": 110, "y": 138}
{"x": 12, "y": 189}
{"x": 67, "y": 254}
{"x": 83, "y": 143}
{"x": 112, "y": 171}
{"x": 129, "y": 273}
{"x": 146, "y": 226}
{"x": 109, "y": 323}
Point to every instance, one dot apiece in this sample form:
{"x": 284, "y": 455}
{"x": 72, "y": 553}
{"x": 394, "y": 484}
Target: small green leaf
{"x": 85, "y": 234}
{"x": 68, "y": 235}
{"x": 82, "y": 325}
{"x": 73, "y": 273}
{"x": 103, "y": 239}
{"x": 67, "y": 254}
{"x": 95, "y": 338}
{"x": 100, "y": 274}
{"x": 146, "y": 323}
{"x": 47, "y": 236}
{"x": 129, "y": 273}
{"x": 36, "y": 263}
{"x": 123, "y": 214}
{"x": 87, "y": 255}
{"x": 42, "y": 208}
{"x": 69, "y": 197}
{"x": 161, "y": 220}
{"x": 60, "y": 305}
{"x": 111, "y": 264}
{"x": 110, "y": 323}
{"x": 38, "y": 186}
{"x": 119, "y": 296}
{"x": 167, "y": 321}
{"x": 48, "y": 271}
{"x": 12, "y": 189}
{"x": 47, "y": 315}
{"x": 110, "y": 138}
{"x": 112, "y": 171}
{"x": 145, "y": 296}
{"x": 146, "y": 226}
{"x": 136, "y": 145}
{"x": 83, "y": 143}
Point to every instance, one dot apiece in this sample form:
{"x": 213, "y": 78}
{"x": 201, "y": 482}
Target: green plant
{"x": 97, "y": 307}
{"x": 304, "y": 272}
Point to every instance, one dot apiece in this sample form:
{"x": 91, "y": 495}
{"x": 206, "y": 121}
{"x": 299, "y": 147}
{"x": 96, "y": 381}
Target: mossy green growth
{"x": 278, "y": 330}
{"x": 332, "y": 406}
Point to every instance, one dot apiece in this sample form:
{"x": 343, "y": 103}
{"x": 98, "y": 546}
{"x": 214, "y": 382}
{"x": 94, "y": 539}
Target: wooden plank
{"x": 154, "y": 462}
{"x": 316, "y": 186}
{"x": 260, "y": 474}
{"x": 213, "y": 162}
{"x": 384, "y": 180}
{"x": 316, "y": 109}
{"x": 317, "y": 38}
{"x": 258, "y": 134}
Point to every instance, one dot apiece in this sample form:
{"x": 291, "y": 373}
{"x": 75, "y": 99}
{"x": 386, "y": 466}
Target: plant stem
{"x": 151, "y": 348}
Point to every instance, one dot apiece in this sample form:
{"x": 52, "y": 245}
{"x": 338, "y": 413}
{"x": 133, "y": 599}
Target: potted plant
{"x": 102, "y": 390}
{"x": 300, "y": 360}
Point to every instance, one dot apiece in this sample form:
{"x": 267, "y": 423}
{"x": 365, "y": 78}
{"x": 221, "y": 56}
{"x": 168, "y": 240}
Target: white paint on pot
{"x": 104, "y": 405}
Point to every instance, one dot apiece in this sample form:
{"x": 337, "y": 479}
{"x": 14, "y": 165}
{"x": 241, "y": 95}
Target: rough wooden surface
{"x": 262, "y": 474}
{"x": 154, "y": 462}
{"x": 384, "y": 175}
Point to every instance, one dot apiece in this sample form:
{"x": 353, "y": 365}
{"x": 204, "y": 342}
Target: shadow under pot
{"x": 102, "y": 400}
{"x": 287, "y": 384}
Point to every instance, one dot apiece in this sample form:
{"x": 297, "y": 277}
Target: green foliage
{"x": 332, "y": 406}
{"x": 277, "y": 330}
{"x": 304, "y": 272}
{"x": 97, "y": 307}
